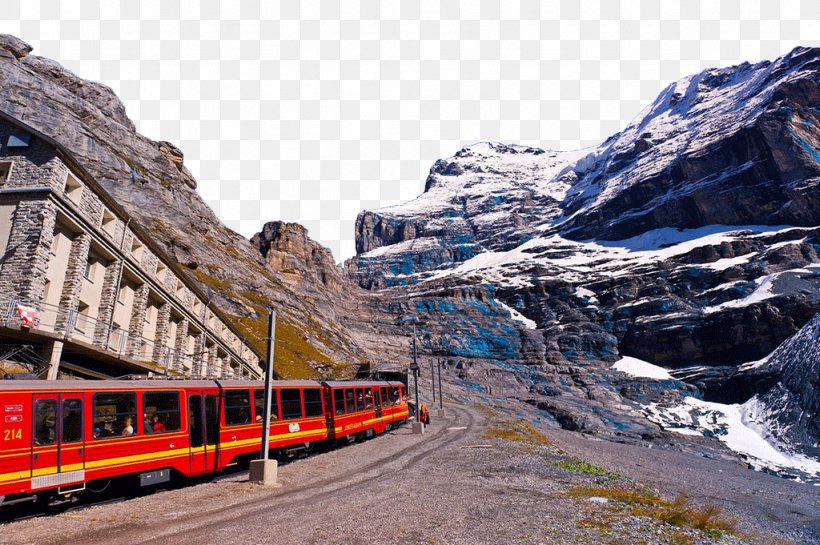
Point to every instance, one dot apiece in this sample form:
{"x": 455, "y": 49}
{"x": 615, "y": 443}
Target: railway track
{"x": 321, "y": 488}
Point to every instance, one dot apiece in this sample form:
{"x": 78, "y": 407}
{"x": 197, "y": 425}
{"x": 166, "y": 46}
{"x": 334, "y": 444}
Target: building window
{"x": 149, "y": 314}
{"x": 19, "y": 140}
{"x": 121, "y": 294}
{"x": 73, "y": 188}
{"x": 90, "y": 266}
{"x": 108, "y": 222}
{"x": 5, "y": 171}
{"x": 136, "y": 249}
{"x": 82, "y": 322}
{"x": 55, "y": 243}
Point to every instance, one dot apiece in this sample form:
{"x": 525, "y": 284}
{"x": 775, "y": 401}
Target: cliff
{"x": 150, "y": 181}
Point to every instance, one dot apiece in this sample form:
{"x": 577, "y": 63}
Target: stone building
{"x": 87, "y": 287}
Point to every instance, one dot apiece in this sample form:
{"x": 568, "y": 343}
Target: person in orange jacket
{"x": 425, "y": 415}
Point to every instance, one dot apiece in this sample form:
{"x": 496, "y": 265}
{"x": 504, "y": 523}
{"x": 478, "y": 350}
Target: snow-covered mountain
{"x": 689, "y": 240}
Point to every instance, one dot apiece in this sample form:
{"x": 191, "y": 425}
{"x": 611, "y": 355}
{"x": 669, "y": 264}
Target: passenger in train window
{"x": 128, "y": 429}
{"x": 156, "y": 425}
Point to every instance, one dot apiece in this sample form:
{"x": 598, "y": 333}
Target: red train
{"x": 59, "y": 438}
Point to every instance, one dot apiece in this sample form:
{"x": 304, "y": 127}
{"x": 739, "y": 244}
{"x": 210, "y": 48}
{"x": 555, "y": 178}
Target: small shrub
{"x": 576, "y": 465}
{"x": 520, "y": 432}
{"x": 678, "y": 512}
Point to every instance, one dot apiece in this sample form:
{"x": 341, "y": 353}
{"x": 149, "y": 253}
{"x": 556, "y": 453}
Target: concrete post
{"x": 264, "y": 472}
{"x": 53, "y": 355}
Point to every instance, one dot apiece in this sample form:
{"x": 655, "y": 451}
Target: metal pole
{"x": 433, "y": 381}
{"x": 440, "y": 398}
{"x": 268, "y": 375}
{"x": 416, "y": 375}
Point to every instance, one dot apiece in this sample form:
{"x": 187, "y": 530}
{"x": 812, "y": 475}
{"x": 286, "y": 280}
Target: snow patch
{"x": 640, "y": 368}
{"x": 735, "y": 426}
{"x": 518, "y": 317}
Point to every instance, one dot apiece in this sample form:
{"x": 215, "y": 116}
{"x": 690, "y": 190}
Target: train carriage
{"x": 363, "y": 408}
{"x": 61, "y": 437}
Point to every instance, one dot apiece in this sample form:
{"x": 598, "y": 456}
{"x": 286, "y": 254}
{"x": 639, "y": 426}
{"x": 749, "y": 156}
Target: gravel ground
{"x": 471, "y": 479}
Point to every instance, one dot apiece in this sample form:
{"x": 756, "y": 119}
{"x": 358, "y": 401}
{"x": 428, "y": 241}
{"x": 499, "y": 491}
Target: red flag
{"x": 27, "y": 314}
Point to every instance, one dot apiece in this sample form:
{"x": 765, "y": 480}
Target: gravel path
{"x": 463, "y": 482}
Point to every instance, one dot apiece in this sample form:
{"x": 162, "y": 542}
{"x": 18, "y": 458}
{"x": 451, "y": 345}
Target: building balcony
{"x": 99, "y": 349}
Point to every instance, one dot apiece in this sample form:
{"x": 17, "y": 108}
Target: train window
{"x": 237, "y": 407}
{"x": 115, "y": 414}
{"x": 161, "y": 411}
{"x": 359, "y": 399}
{"x": 376, "y": 401}
{"x": 384, "y": 399}
{"x": 368, "y": 398}
{"x": 394, "y": 396}
{"x": 313, "y": 402}
{"x": 259, "y": 403}
{"x": 291, "y": 404}
{"x": 72, "y": 420}
{"x": 339, "y": 401}
{"x": 350, "y": 396}
{"x": 45, "y": 422}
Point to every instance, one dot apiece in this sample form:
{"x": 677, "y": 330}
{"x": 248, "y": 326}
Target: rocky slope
{"x": 689, "y": 240}
{"x": 150, "y": 181}
{"x": 787, "y": 406}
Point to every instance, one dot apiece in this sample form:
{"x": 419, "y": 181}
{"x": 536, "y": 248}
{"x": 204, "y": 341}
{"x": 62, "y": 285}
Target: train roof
{"x": 73, "y": 385}
{"x": 357, "y": 383}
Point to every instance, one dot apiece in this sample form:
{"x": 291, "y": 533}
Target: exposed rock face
{"x": 689, "y": 240}
{"x": 290, "y": 251}
{"x": 150, "y": 181}
{"x": 789, "y": 409}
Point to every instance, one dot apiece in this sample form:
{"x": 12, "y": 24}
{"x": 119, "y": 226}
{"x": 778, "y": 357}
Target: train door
{"x": 58, "y": 441}
{"x": 377, "y": 402}
{"x": 203, "y": 429}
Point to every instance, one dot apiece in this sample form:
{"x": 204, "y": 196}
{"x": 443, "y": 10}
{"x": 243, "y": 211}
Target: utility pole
{"x": 268, "y": 375}
{"x": 264, "y": 471}
{"x": 440, "y": 397}
{"x": 418, "y": 427}
{"x": 433, "y": 381}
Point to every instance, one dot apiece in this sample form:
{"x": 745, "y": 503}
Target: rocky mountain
{"x": 149, "y": 179}
{"x": 788, "y": 402}
{"x": 689, "y": 240}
